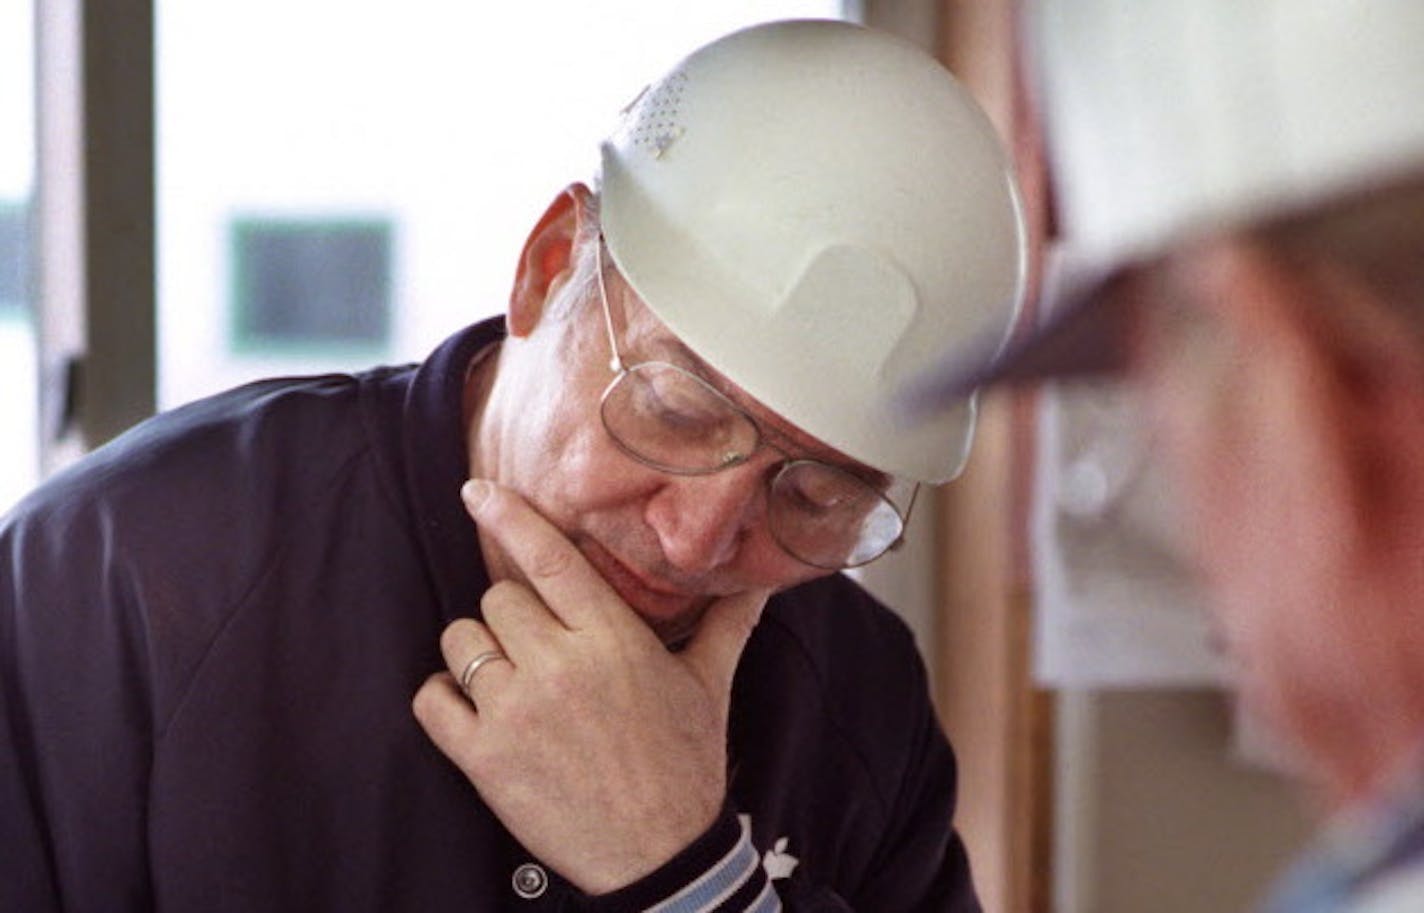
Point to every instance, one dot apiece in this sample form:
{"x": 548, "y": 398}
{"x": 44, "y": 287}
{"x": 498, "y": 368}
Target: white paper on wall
{"x": 1115, "y": 601}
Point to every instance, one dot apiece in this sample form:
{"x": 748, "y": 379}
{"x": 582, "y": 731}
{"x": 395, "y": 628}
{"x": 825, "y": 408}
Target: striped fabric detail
{"x": 731, "y": 873}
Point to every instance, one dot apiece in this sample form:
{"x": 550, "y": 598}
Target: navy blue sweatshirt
{"x": 211, "y": 630}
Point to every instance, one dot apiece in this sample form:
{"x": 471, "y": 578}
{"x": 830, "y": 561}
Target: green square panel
{"x": 311, "y": 282}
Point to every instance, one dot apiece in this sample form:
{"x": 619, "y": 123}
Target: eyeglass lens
{"x": 672, "y": 420}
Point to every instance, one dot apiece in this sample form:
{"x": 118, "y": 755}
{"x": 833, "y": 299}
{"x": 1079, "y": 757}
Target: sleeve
{"x": 917, "y": 863}
{"x": 922, "y": 866}
{"x": 720, "y": 872}
{"x": 74, "y": 719}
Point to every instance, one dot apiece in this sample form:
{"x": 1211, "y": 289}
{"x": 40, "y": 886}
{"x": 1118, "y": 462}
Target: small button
{"x": 530, "y": 881}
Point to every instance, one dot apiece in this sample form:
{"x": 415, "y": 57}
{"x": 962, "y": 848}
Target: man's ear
{"x": 547, "y": 259}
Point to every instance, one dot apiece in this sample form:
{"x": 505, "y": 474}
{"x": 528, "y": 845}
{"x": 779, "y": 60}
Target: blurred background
{"x": 197, "y": 194}
{"x": 336, "y": 183}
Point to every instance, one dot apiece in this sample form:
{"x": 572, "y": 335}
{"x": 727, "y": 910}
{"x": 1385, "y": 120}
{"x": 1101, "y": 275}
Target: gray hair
{"x": 583, "y": 282}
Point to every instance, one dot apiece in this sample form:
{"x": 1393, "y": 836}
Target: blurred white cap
{"x": 1167, "y": 117}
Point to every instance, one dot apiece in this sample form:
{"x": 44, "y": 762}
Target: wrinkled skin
{"x": 602, "y": 751}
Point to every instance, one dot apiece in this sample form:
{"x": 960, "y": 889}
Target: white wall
{"x": 461, "y": 120}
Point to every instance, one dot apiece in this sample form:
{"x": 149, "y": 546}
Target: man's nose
{"x": 700, "y": 521}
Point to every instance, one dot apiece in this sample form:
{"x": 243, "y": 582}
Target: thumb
{"x": 715, "y": 648}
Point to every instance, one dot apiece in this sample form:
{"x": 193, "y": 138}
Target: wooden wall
{"x": 1002, "y": 727}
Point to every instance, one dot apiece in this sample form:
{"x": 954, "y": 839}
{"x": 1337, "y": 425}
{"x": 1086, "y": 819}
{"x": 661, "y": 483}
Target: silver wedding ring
{"x": 474, "y": 666}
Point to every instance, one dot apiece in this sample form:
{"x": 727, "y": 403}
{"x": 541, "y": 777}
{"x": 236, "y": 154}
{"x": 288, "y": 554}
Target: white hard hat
{"x": 817, "y": 210}
{"x": 1173, "y": 119}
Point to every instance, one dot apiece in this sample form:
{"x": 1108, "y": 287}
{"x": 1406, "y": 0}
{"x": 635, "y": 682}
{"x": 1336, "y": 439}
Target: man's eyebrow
{"x": 778, "y": 439}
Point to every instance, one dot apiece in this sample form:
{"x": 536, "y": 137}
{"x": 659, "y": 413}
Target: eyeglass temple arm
{"x": 615, "y": 361}
{"x": 905, "y": 520}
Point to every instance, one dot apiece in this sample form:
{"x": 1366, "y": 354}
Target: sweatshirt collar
{"x": 436, "y": 461}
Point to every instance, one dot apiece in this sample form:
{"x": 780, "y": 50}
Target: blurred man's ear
{"x": 546, "y": 261}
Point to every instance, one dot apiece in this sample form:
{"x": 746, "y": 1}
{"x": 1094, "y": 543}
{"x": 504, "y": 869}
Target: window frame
{"x": 93, "y": 222}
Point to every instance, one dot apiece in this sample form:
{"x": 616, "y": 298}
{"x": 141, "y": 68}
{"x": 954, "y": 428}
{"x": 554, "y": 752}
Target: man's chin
{"x": 673, "y": 619}
{"x": 675, "y": 630}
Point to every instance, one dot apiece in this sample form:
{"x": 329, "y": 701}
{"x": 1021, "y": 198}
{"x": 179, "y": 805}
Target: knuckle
{"x": 455, "y": 633}
{"x": 557, "y": 674}
{"x": 477, "y": 761}
{"x": 563, "y": 679}
{"x": 426, "y": 704}
{"x": 516, "y": 713}
{"x": 500, "y": 594}
{"x": 549, "y": 560}
{"x": 420, "y": 703}
{"x": 495, "y": 508}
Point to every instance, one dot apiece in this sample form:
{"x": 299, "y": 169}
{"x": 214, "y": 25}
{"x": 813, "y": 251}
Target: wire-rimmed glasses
{"x": 668, "y": 418}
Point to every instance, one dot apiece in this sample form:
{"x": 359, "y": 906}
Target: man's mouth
{"x": 668, "y": 610}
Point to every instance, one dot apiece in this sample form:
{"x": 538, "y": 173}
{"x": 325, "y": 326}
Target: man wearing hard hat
{"x": 656, "y": 691}
{"x": 1247, "y": 182}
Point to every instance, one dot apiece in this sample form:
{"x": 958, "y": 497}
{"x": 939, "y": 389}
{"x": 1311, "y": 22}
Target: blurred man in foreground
{"x": 1248, "y": 179}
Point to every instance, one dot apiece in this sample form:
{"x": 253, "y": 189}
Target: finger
{"x": 553, "y": 566}
{"x": 721, "y": 636}
{"x": 447, "y": 718}
{"x": 519, "y": 620}
{"x": 466, "y": 643}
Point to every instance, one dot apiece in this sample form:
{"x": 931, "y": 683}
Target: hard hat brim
{"x": 1086, "y": 330}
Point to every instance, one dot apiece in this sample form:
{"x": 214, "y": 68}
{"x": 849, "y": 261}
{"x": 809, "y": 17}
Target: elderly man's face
{"x": 667, "y": 543}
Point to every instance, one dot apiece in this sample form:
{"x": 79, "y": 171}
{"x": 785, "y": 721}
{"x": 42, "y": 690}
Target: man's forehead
{"x": 782, "y": 434}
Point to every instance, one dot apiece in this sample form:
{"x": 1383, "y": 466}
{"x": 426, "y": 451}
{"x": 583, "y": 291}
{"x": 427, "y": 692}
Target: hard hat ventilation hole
{"x": 656, "y": 116}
